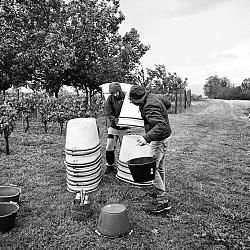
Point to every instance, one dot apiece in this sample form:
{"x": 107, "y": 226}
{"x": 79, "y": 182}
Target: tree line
{"x": 222, "y": 88}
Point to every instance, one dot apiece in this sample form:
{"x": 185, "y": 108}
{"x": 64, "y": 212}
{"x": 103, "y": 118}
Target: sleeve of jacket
{"x": 166, "y": 102}
{"x": 160, "y": 129}
{"x": 110, "y": 112}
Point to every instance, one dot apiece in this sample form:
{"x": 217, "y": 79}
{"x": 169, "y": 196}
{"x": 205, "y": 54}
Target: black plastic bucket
{"x": 9, "y": 193}
{"x": 8, "y": 212}
{"x": 142, "y": 169}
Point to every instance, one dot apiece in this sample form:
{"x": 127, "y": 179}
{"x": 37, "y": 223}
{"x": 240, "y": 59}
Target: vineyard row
{"x": 45, "y": 109}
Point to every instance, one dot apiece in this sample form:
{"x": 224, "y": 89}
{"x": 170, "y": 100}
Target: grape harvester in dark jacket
{"x": 153, "y": 108}
{"x": 113, "y": 108}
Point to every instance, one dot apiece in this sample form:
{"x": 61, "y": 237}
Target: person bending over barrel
{"x": 153, "y": 108}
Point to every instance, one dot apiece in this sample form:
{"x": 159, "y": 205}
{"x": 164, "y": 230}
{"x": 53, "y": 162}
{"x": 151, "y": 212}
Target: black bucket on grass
{"x": 8, "y": 212}
{"x": 142, "y": 169}
{"x": 9, "y": 193}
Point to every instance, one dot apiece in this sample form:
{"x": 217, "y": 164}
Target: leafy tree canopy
{"x": 214, "y": 84}
{"x": 161, "y": 81}
{"x": 245, "y": 85}
{"x": 51, "y": 43}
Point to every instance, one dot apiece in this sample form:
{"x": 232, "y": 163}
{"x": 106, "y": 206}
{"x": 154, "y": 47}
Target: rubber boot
{"x": 110, "y": 159}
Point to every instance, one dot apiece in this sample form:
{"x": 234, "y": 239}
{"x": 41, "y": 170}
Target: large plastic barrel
{"x": 130, "y": 150}
{"x": 83, "y": 156}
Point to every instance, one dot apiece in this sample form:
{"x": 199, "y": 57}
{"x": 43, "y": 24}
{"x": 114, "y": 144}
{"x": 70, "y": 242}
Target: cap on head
{"x": 137, "y": 94}
{"x": 114, "y": 87}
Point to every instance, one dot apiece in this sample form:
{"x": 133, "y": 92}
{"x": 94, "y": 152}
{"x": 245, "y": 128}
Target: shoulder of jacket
{"x": 110, "y": 99}
{"x": 152, "y": 98}
{"x": 123, "y": 94}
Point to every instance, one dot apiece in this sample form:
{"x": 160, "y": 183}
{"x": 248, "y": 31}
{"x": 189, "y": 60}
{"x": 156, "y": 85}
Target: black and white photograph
{"x": 124, "y": 124}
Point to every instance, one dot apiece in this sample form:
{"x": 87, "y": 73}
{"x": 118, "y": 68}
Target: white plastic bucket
{"x": 130, "y": 114}
{"x": 82, "y": 159}
{"x": 85, "y": 166}
{"x": 88, "y": 187}
{"x": 83, "y": 152}
{"x": 129, "y": 150}
{"x": 81, "y": 134}
{"x": 85, "y": 178}
{"x": 83, "y": 171}
{"x": 126, "y": 179}
{"x": 89, "y": 180}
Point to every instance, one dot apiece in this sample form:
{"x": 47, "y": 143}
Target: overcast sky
{"x": 194, "y": 38}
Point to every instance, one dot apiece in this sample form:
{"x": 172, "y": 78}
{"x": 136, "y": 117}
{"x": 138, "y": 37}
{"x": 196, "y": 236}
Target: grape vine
{"x": 8, "y": 116}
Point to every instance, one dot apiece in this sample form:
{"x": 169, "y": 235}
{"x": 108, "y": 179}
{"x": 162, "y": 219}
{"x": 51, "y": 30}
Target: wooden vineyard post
{"x": 175, "y": 105}
{"x": 180, "y": 93}
{"x": 6, "y": 137}
{"x": 185, "y": 99}
{"x": 189, "y": 98}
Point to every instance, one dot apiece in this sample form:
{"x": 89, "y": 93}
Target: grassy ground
{"x": 207, "y": 181}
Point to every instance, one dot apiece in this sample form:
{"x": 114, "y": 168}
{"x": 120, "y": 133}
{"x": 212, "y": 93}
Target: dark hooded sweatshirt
{"x": 113, "y": 109}
{"x": 153, "y": 110}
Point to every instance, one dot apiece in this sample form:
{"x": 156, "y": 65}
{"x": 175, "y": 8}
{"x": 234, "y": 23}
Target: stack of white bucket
{"x": 83, "y": 155}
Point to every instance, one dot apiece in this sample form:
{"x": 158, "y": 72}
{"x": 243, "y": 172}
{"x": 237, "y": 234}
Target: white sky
{"x": 194, "y": 38}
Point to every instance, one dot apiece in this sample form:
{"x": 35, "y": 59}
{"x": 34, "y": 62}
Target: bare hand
{"x": 141, "y": 141}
